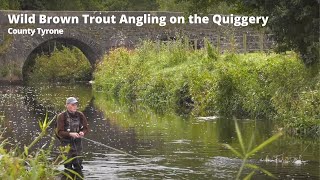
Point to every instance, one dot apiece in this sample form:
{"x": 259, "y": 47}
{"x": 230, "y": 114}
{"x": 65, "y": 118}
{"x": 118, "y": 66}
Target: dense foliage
{"x": 61, "y": 65}
{"x": 80, "y": 5}
{"x": 295, "y": 23}
{"x": 106, "y": 5}
{"x": 253, "y": 85}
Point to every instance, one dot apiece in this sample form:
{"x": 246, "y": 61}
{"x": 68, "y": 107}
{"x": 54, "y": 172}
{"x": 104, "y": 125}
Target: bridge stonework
{"x": 94, "y": 40}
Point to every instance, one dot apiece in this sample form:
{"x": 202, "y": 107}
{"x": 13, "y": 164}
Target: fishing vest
{"x": 72, "y": 124}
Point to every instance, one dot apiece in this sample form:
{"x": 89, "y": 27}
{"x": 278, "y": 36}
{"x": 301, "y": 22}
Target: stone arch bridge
{"x": 94, "y": 40}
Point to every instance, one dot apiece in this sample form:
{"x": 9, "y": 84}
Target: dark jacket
{"x": 62, "y": 118}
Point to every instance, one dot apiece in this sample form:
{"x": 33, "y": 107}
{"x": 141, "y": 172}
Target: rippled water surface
{"x": 168, "y": 145}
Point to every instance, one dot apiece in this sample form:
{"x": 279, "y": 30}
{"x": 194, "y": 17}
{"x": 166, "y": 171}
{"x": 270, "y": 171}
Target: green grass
{"x": 254, "y": 85}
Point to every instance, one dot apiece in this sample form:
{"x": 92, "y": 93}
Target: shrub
{"x": 65, "y": 65}
{"x": 31, "y": 164}
{"x": 254, "y": 85}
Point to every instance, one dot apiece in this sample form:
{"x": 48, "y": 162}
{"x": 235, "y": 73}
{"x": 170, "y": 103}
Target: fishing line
{"x": 118, "y": 150}
{"x": 115, "y": 149}
{"x": 305, "y": 149}
{"x": 123, "y": 152}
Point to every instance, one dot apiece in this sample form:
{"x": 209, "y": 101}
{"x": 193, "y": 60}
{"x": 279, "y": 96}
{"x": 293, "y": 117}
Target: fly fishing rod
{"x": 99, "y": 143}
{"x": 118, "y": 150}
{"x": 115, "y": 149}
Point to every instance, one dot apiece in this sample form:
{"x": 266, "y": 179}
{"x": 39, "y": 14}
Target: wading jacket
{"x": 71, "y": 122}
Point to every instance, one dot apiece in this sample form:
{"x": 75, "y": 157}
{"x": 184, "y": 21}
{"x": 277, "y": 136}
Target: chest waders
{"x": 73, "y": 124}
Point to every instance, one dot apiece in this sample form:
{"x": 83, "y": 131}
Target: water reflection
{"x": 175, "y": 147}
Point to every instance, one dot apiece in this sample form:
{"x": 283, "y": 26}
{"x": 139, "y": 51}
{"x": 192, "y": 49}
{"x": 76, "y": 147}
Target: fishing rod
{"x": 99, "y": 143}
{"x": 118, "y": 150}
{"x": 115, "y": 149}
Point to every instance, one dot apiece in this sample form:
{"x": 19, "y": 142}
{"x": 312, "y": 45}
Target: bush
{"x": 5, "y": 44}
{"x": 256, "y": 84}
{"x": 4, "y": 71}
{"x": 253, "y": 85}
{"x": 65, "y": 65}
{"x": 31, "y": 163}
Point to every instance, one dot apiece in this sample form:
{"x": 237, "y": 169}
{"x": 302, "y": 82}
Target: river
{"x": 168, "y": 145}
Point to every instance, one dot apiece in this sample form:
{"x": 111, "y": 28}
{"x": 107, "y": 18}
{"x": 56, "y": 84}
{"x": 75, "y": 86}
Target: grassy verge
{"x": 254, "y": 85}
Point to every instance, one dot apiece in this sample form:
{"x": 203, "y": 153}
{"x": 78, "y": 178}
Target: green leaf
{"x": 74, "y": 172}
{"x": 249, "y": 176}
{"x": 66, "y": 174}
{"x": 265, "y": 143}
{"x": 40, "y": 125}
{"x": 26, "y": 151}
{"x": 268, "y": 173}
{"x": 233, "y": 150}
{"x": 71, "y": 159}
{"x": 252, "y": 166}
{"x": 45, "y": 122}
{"x": 240, "y": 137}
{"x": 251, "y": 142}
{"x": 53, "y": 119}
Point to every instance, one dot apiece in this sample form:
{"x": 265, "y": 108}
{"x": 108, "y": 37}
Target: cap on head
{"x": 71, "y": 100}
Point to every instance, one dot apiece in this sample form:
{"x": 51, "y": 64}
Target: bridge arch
{"x": 86, "y": 46}
{"x": 96, "y": 39}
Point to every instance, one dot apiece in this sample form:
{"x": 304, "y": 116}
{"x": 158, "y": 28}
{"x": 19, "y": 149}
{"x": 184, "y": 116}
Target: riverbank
{"x": 205, "y": 83}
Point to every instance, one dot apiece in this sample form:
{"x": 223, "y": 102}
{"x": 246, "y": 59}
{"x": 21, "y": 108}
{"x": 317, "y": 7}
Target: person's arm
{"x": 60, "y": 125}
{"x": 84, "y": 123}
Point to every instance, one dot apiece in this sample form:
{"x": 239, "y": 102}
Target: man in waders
{"x": 72, "y": 125}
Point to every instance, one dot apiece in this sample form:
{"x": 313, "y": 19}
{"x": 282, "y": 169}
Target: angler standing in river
{"x": 72, "y": 125}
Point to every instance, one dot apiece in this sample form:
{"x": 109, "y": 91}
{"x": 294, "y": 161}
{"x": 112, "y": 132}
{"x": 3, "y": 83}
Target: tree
{"x": 4, "y": 4}
{"x": 60, "y": 5}
{"x": 207, "y": 6}
{"x": 295, "y": 23}
{"x": 129, "y": 5}
{"x": 172, "y": 5}
{"x": 93, "y": 5}
{"x": 32, "y": 5}
{"x": 9, "y": 4}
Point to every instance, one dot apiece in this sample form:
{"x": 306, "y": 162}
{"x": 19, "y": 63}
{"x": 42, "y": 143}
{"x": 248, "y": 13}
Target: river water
{"x": 168, "y": 145}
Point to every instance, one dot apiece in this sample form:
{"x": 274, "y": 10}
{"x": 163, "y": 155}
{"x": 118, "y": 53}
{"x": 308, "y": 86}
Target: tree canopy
{"x": 295, "y": 23}
{"x": 80, "y": 5}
